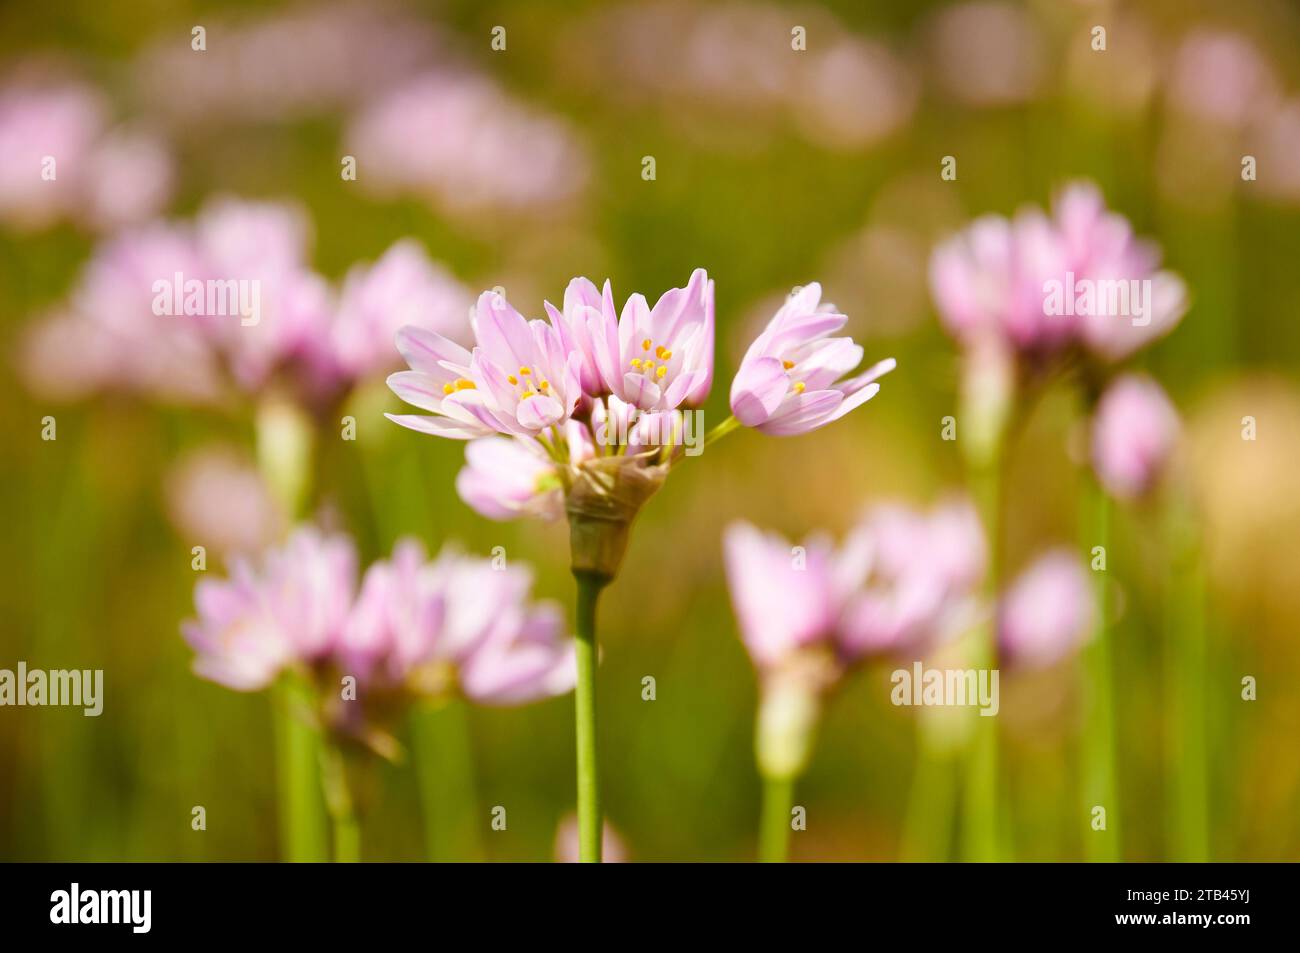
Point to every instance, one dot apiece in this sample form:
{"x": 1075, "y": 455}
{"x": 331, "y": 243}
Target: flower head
{"x": 1047, "y": 612}
{"x": 414, "y": 627}
{"x": 1134, "y": 433}
{"x": 1041, "y": 284}
{"x": 790, "y": 379}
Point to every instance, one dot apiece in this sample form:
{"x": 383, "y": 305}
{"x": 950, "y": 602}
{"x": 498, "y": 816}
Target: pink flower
{"x": 988, "y": 280}
{"x": 786, "y": 597}
{"x": 482, "y": 150}
{"x": 1099, "y": 246}
{"x": 217, "y": 498}
{"x": 1047, "y": 612}
{"x": 418, "y": 623}
{"x": 60, "y": 161}
{"x": 656, "y": 359}
{"x": 1041, "y": 285}
{"x": 508, "y": 477}
{"x": 787, "y": 382}
{"x": 903, "y": 580}
{"x": 519, "y": 379}
{"x": 924, "y": 570}
{"x": 289, "y": 608}
{"x": 414, "y": 627}
{"x": 1134, "y": 433}
{"x": 402, "y": 288}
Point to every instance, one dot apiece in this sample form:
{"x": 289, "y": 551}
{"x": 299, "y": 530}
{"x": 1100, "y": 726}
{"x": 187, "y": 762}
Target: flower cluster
{"x": 903, "y": 582}
{"x": 1024, "y": 293}
{"x": 62, "y": 159}
{"x": 414, "y": 627}
{"x": 152, "y": 311}
{"x": 996, "y": 281}
{"x": 587, "y": 411}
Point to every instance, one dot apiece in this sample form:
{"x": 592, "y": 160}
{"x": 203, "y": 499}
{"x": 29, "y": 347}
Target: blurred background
{"x": 772, "y": 168}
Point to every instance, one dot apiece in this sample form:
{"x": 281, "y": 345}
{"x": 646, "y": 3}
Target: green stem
{"x": 1186, "y": 648}
{"x": 338, "y": 799}
{"x": 297, "y": 744}
{"x": 444, "y": 767}
{"x": 927, "y": 828}
{"x": 774, "y": 826}
{"x": 1099, "y": 757}
{"x": 589, "y": 815}
{"x": 981, "y": 835}
{"x": 721, "y": 430}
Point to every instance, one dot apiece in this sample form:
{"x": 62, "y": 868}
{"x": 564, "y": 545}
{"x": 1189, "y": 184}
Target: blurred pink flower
{"x": 987, "y": 282}
{"x": 216, "y": 498}
{"x": 301, "y": 61}
{"x": 118, "y": 329}
{"x": 1134, "y": 433}
{"x": 403, "y": 287}
{"x": 1221, "y": 77}
{"x": 480, "y": 149}
{"x": 60, "y": 161}
{"x": 1047, "y": 612}
{"x": 456, "y": 623}
{"x": 787, "y": 381}
{"x": 787, "y": 598}
{"x": 414, "y": 626}
{"x": 841, "y": 91}
{"x": 1099, "y": 245}
{"x": 996, "y": 280}
{"x": 924, "y": 573}
{"x": 289, "y": 607}
{"x": 613, "y": 851}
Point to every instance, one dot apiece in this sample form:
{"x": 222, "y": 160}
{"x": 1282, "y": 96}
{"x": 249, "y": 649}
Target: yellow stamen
{"x": 787, "y": 364}
{"x": 543, "y": 385}
{"x": 448, "y": 388}
{"x": 512, "y": 379}
{"x": 666, "y": 354}
{"x": 645, "y": 345}
{"x": 636, "y": 362}
{"x": 660, "y": 371}
{"x": 525, "y": 371}
{"x": 649, "y": 366}
{"x": 463, "y": 384}
{"x": 799, "y": 386}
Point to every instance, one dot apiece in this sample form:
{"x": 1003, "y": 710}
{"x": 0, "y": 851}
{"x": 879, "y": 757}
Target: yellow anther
{"x": 463, "y": 384}
{"x": 448, "y": 388}
{"x": 666, "y": 354}
{"x": 542, "y": 385}
{"x": 645, "y": 345}
{"x": 787, "y": 364}
{"x": 799, "y": 386}
{"x": 660, "y": 371}
{"x": 525, "y": 371}
{"x": 512, "y": 379}
{"x": 636, "y": 362}
{"x": 649, "y": 366}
